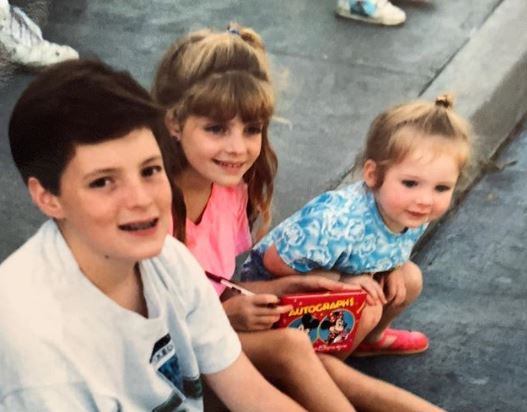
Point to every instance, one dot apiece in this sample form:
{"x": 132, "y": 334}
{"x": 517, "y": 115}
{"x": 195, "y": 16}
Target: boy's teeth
{"x": 139, "y": 226}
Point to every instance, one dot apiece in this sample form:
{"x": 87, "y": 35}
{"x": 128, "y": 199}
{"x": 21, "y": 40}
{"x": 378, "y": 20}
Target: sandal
{"x": 404, "y": 342}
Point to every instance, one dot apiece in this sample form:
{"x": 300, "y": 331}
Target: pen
{"x": 227, "y": 283}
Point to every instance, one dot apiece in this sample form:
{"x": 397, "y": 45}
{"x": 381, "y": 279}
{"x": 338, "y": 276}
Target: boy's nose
{"x": 137, "y": 195}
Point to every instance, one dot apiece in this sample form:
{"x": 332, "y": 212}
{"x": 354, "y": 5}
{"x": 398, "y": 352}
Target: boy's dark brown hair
{"x": 74, "y": 103}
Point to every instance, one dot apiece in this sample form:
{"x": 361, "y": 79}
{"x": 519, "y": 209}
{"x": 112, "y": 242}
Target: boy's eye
{"x": 100, "y": 182}
{"x": 409, "y": 183}
{"x": 151, "y": 170}
{"x": 443, "y": 188}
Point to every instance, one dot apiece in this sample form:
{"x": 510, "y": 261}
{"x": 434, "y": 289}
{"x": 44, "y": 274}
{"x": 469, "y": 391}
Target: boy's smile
{"x": 144, "y": 228}
{"x": 115, "y": 199}
{"x": 418, "y": 189}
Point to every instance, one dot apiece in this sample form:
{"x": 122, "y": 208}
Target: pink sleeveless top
{"x": 222, "y": 233}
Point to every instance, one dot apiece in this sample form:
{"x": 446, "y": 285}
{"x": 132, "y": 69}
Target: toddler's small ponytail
{"x": 445, "y": 100}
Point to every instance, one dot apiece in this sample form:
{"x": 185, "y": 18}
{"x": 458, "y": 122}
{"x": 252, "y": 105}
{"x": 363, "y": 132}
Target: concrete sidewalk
{"x": 333, "y": 76}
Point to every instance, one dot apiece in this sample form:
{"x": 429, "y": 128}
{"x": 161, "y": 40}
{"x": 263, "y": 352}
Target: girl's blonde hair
{"x": 399, "y": 130}
{"x": 219, "y": 75}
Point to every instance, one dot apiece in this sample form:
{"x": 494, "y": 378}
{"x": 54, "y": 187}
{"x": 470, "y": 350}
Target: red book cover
{"x": 329, "y": 318}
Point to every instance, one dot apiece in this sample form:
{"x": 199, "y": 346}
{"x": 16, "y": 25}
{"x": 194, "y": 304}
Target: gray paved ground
{"x": 333, "y": 76}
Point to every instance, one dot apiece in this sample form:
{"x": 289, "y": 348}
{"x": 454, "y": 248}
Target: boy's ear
{"x": 172, "y": 125}
{"x": 369, "y": 173}
{"x": 47, "y": 202}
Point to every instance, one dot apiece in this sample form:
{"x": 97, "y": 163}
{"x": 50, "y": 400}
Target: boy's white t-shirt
{"x": 65, "y": 346}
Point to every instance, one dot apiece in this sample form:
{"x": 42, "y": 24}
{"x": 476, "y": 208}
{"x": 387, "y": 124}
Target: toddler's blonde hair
{"x": 399, "y": 130}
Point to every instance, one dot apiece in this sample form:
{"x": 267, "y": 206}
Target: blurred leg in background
{"x": 371, "y": 11}
{"x": 23, "y": 41}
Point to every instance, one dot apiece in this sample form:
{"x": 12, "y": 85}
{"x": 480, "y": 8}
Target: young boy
{"x": 100, "y": 310}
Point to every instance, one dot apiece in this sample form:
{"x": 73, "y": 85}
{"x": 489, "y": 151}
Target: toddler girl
{"x": 364, "y": 233}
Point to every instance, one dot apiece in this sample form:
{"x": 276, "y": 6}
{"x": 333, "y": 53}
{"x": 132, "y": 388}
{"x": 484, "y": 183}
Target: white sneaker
{"x": 23, "y": 40}
{"x": 371, "y": 11}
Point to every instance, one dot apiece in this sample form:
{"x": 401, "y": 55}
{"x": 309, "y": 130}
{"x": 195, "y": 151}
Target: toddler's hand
{"x": 255, "y": 312}
{"x": 395, "y": 287}
{"x": 374, "y": 289}
{"x": 310, "y": 283}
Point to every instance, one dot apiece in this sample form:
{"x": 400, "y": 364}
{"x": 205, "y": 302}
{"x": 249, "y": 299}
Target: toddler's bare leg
{"x": 413, "y": 280}
{"x": 371, "y": 314}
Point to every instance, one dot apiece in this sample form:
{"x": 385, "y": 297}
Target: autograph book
{"x": 329, "y": 318}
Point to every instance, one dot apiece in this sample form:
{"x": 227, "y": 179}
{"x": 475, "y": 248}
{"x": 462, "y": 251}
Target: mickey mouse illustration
{"x": 308, "y": 323}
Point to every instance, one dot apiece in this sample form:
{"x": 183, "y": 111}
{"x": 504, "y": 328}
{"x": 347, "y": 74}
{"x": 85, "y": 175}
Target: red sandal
{"x": 406, "y": 342}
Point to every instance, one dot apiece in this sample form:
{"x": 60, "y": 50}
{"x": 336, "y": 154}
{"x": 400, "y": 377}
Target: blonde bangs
{"x": 410, "y": 140}
{"x": 222, "y": 97}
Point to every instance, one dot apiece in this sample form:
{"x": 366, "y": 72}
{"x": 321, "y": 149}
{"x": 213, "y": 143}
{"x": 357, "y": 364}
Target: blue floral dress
{"x": 339, "y": 230}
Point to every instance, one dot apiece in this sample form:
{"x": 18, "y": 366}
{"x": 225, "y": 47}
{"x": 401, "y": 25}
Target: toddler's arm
{"x": 275, "y": 265}
{"x": 298, "y": 284}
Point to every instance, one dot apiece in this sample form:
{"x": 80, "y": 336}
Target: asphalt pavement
{"x": 332, "y": 77}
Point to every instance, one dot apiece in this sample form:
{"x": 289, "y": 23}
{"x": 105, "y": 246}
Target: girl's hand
{"x": 255, "y": 312}
{"x": 366, "y": 282}
{"x": 395, "y": 287}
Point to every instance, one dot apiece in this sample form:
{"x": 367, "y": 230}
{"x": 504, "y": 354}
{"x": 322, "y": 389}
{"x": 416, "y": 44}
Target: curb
{"x": 488, "y": 78}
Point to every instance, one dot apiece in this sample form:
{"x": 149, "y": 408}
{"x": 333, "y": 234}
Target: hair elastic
{"x": 233, "y": 30}
{"x": 444, "y": 101}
